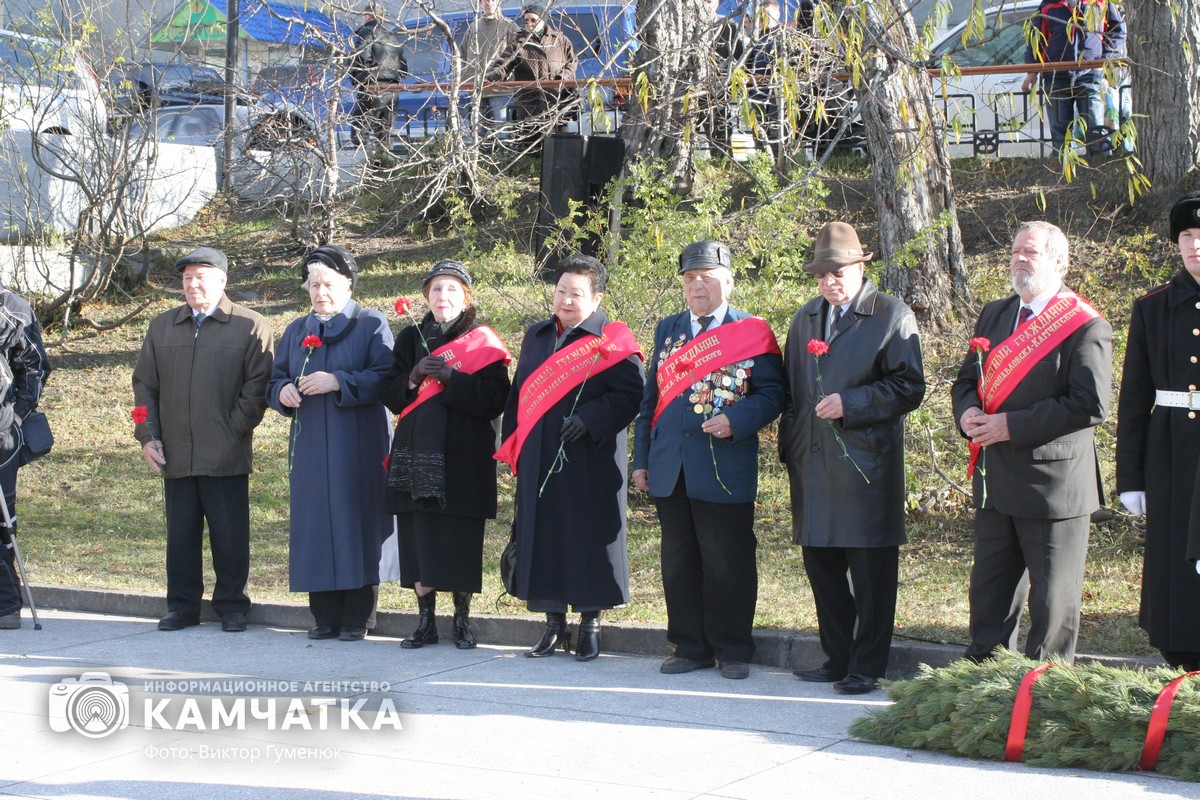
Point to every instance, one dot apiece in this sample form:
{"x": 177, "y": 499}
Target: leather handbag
{"x": 36, "y": 437}
{"x": 508, "y": 563}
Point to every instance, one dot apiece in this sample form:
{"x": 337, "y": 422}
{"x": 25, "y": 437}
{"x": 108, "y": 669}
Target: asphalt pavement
{"x": 103, "y": 705}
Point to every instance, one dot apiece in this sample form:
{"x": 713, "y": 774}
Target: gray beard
{"x": 1027, "y": 285}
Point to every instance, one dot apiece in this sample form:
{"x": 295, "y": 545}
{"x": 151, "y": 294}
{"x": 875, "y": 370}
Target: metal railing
{"x": 1004, "y": 123}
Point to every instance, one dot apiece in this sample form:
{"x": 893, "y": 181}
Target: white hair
{"x": 314, "y": 269}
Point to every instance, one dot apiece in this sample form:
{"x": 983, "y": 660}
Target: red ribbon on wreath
{"x": 1159, "y": 716}
{"x": 1019, "y": 723}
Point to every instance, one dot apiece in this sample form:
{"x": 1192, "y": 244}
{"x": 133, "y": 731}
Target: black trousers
{"x": 352, "y": 608}
{"x": 855, "y": 593}
{"x": 10, "y": 586}
{"x": 225, "y": 504}
{"x": 710, "y": 577}
{"x": 1017, "y": 557}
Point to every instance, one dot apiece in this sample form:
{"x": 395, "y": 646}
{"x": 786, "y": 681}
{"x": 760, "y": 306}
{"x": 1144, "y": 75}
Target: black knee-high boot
{"x": 463, "y": 638}
{"x": 426, "y": 632}
{"x": 558, "y": 634}
{"x": 587, "y": 645}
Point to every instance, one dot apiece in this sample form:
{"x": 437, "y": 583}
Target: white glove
{"x": 1134, "y": 502}
{"x": 1198, "y": 567}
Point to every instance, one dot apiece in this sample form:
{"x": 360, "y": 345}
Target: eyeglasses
{"x": 820, "y": 276}
{"x": 531, "y": 19}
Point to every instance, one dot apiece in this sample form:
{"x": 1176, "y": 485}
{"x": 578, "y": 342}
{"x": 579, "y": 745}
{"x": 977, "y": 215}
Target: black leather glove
{"x": 573, "y": 429}
{"x": 444, "y": 374}
{"x": 429, "y": 365}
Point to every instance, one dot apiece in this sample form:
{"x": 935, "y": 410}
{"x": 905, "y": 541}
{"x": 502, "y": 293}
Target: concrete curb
{"x": 773, "y": 648}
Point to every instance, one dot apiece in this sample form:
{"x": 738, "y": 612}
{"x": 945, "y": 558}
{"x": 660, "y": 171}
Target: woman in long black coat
{"x": 329, "y": 369}
{"x": 570, "y": 510}
{"x": 441, "y": 481}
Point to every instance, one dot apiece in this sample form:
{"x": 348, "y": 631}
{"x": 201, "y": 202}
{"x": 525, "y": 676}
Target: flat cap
{"x": 204, "y": 257}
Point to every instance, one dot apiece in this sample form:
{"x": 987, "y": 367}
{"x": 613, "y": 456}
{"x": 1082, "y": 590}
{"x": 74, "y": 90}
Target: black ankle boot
{"x": 463, "y": 638}
{"x": 587, "y": 645}
{"x": 558, "y": 634}
{"x": 426, "y": 632}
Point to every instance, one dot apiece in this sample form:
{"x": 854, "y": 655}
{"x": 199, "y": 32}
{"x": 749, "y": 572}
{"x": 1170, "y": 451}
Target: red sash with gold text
{"x": 1010, "y": 361}
{"x": 558, "y": 375}
{"x": 708, "y": 352}
{"x": 469, "y": 353}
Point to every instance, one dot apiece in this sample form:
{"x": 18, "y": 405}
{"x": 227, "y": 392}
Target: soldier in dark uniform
{"x": 1158, "y": 436}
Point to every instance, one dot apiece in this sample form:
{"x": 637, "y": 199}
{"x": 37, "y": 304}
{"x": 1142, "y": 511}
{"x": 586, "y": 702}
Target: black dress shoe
{"x": 323, "y": 632}
{"x": 677, "y": 665}
{"x": 819, "y": 675}
{"x": 352, "y": 633}
{"x": 177, "y": 621}
{"x": 855, "y": 684}
{"x": 233, "y": 622}
{"x": 735, "y": 670}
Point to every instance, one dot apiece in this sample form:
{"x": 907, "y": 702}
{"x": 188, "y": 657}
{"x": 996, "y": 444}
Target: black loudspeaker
{"x": 603, "y": 159}
{"x": 576, "y": 168}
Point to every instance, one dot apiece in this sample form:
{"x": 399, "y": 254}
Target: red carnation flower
{"x": 403, "y": 305}
{"x": 311, "y": 341}
{"x": 601, "y": 352}
{"x": 139, "y": 415}
{"x": 981, "y": 343}
{"x": 683, "y": 366}
{"x": 818, "y": 348}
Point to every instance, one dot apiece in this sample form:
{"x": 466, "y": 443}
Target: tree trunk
{"x": 670, "y": 68}
{"x": 918, "y": 229}
{"x": 1164, "y": 47}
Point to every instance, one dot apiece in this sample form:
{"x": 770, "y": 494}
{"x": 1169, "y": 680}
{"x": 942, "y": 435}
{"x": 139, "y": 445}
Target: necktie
{"x": 837, "y": 317}
{"x": 200, "y": 321}
{"x": 705, "y": 321}
{"x": 1023, "y": 315}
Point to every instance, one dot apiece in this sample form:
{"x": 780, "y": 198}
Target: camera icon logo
{"x": 92, "y": 705}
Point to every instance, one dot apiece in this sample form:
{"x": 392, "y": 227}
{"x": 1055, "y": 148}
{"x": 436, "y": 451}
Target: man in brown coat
{"x": 200, "y": 389}
{"x": 538, "y": 53}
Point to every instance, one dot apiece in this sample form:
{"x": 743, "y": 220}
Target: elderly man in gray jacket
{"x": 854, "y": 371}
{"x": 200, "y": 389}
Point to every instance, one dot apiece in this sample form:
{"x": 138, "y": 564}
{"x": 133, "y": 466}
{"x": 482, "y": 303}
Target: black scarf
{"x": 418, "y": 462}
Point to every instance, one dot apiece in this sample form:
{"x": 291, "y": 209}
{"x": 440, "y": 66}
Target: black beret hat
{"x": 204, "y": 257}
{"x": 705, "y": 255}
{"x": 535, "y": 8}
{"x": 336, "y": 258}
{"x": 448, "y": 266}
{"x": 1185, "y": 214}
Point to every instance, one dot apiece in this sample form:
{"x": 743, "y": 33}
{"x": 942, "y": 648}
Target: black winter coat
{"x": 571, "y": 539}
{"x": 473, "y": 403}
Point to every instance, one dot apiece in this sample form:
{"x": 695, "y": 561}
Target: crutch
{"x": 12, "y": 535}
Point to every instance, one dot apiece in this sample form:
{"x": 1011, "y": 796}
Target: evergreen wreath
{"x": 1085, "y": 716}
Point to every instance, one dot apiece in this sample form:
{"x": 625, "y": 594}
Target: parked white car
{"x": 46, "y": 87}
{"x": 989, "y": 114}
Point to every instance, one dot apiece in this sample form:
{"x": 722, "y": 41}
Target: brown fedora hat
{"x": 837, "y": 246}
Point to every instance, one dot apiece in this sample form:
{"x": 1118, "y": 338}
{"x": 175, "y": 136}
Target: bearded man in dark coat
{"x": 854, "y": 371}
{"x": 1158, "y": 437}
{"x": 566, "y": 440}
{"x": 1030, "y": 392}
